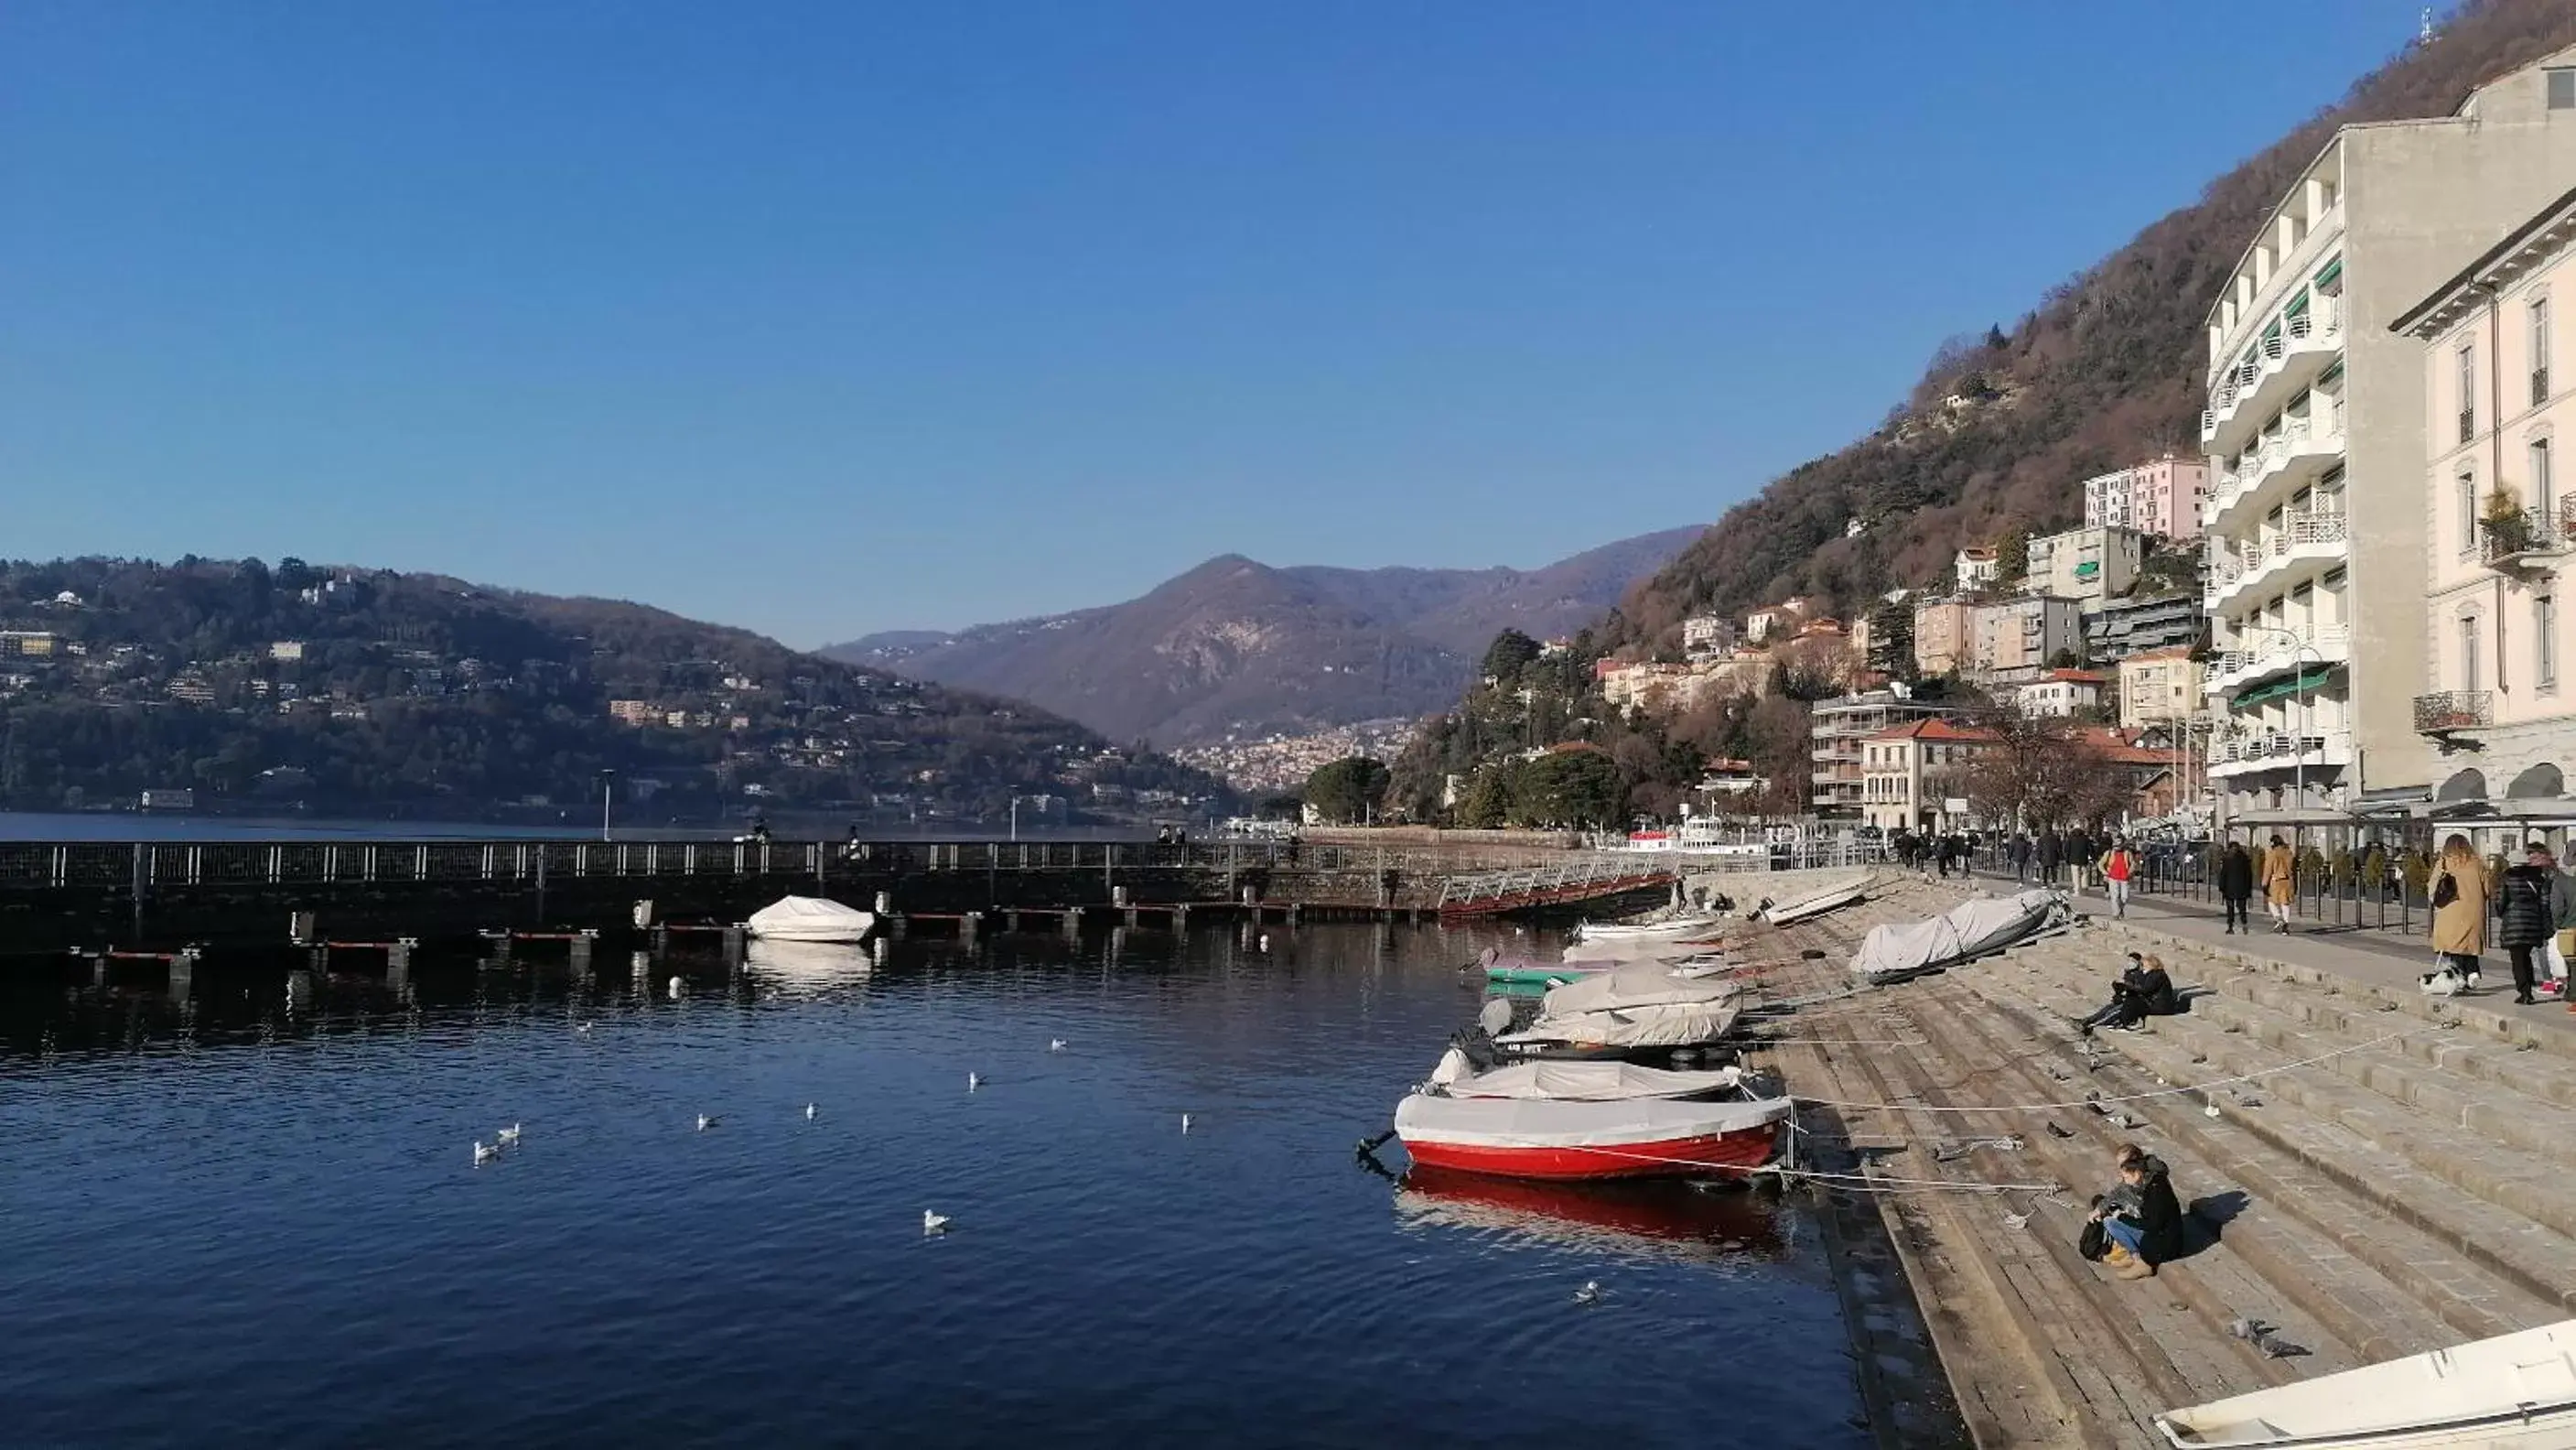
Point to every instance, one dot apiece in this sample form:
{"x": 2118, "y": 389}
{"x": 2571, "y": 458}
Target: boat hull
{"x": 1722, "y": 1154}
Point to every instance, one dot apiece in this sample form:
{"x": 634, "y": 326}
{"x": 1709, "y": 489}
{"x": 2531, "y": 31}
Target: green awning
{"x": 2327, "y": 274}
{"x": 2272, "y": 331}
{"x": 2298, "y": 303}
{"x": 2305, "y": 680}
{"x": 2330, "y": 374}
{"x": 2087, "y": 570}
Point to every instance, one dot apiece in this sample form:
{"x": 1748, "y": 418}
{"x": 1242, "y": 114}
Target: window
{"x": 2562, "y": 87}
{"x": 2468, "y": 390}
{"x": 2544, "y": 642}
{"x": 2539, "y": 319}
{"x": 2544, "y": 488}
{"x": 2469, "y": 653}
{"x": 2468, "y": 513}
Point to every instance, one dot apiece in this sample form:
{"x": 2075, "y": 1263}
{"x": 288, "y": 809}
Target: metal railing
{"x": 2447, "y": 710}
{"x": 1540, "y": 882}
{"x": 2521, "y": 533}
{"x": 2366, "y": 888}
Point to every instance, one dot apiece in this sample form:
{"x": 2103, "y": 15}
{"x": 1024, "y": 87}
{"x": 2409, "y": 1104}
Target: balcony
{"x": 2512, "y": 542}
{"x": 2306, "y": 546}
{"x": 2279, "y": 750}
{"x": 2445, "y": 711}
{"x": 2250, "y": 391}
{"x": 2300, "y": 454}
{"x": 2278, "y": 654}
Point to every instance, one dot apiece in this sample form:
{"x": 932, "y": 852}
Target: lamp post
{"x": 2301, "y": 650}
{"x": 607, "y": 784}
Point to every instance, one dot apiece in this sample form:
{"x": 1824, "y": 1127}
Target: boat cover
{"x": 1638, "y": 949}
{"x": 809, "y": 918}
{"x": 1679, "y": 926}
{"x": 1973, "y": 928}
{"x": 1815, "y": 902}
{"x": 1544, "y": 1123}
{"x": 1630, "y": 987}
{"x": 1587, "y": 1082}
{"x": 2517, "y": 1389}
{"x": 1673, "y": 1024}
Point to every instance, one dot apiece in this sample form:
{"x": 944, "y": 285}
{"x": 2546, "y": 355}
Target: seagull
{"x": 809, "y": 1112}
{"x": 675, "y": 989}
{"x": 508, "y": 1137}
{"x": 974, "y": 1080}
{"x": 484, "y": 1152}
{"x": 1590, "y": 1293}
{"x": 1185, "y": 1124}
{"x": 1055, "y": 1044}
{"x": 582, "y": 1027}
{"x": 933, "y": 1221}
{"x": 705, "y": 1122}
{"x": 1263, "y": 942}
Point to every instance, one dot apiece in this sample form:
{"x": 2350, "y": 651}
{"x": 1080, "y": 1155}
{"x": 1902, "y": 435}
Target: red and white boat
{"x": 1621, "y": 1138}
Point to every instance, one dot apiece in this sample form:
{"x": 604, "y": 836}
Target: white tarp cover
{"x": 1587, "y": 1082}
{"x": 1973, "y": 927}
{"x": 2517, "y": 1389}
{"x": 1647, "y": 949}
{"x": 1628, "y": 987}
{"x": 1701, "y": 924}
{"x": 1540, "y": 1123}
{"x": 1677, "y": 1024}
{"x": 809, "y": 918}
{"x": 1815, "y": 902}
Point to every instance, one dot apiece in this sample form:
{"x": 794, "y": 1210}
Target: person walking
{"x": 2236, "y": 886}
{"x": 2279, "y": 879}
{"x": 2119, "y": 866}
{"x": 2051, "y": 851}
{"x": 1945, "y": 853}
{"x": 2019, "y": 850}
{"x": 2531, "y": 902}
{"x": 2079, "y": 859}
{"x": 2460, "y": 894}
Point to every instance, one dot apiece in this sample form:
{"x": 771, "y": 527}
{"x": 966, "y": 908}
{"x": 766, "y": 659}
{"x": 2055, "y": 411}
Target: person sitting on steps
{"x": 2141, "y": 1218}
{"x": 2144, "y": 990}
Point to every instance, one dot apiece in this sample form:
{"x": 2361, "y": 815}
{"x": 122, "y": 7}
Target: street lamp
{"x": 1015, "y": 812}
{"x": 2301, "y": 649}
{"x": 607, "y": 784}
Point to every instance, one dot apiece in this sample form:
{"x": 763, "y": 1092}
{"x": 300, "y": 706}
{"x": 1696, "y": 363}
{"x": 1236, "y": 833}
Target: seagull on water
{"x": 1185, "y": 1124}
{"x": 933, "y": 1221}
{"x": 705, "y": 1122}
{"x": 582, "y": 1027}
{"x": 1590, "y": 1293}
{"x": 974, "y": 1080}
{"x": 1263, "y": 941}
{"x": 675, "y": 989}
{"x": 484, "y": 1152}
{"x": 809, "y": 1112}
{"x": 1055, "y": 1044}
{"x": 508, "y": 1137}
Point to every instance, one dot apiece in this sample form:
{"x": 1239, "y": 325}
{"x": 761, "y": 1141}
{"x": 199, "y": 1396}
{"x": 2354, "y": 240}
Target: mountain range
{"x": 1237, "y": 648}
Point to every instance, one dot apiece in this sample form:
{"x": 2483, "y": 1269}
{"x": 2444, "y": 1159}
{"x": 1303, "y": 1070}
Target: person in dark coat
{"x": 2145, "y": 989}
{"x": 2020, "y": 852}
{"x": 2052, "y": 852}
{"x": 2141, "y": 1216}
{"x": 2532, "y": 902}
{"x": 2079, "y": 858}
{"x": 2236, "y": 886}
{"x": 1946, "y": 852}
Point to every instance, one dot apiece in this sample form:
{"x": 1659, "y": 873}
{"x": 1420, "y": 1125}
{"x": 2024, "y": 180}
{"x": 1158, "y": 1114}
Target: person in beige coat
{"x": 2279, "y": 879}
{"x": 2461, "y": 900}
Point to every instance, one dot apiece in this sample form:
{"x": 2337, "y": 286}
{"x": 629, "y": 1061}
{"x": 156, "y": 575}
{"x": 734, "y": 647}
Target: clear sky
{"x": 830, "y": 318}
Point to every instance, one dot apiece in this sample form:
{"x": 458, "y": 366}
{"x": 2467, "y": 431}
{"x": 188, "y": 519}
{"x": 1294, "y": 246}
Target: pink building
{"x": 2161, "y": 498}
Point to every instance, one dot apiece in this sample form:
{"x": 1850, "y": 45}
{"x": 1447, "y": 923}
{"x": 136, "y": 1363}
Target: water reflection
{"x": 806, "y": 969}
{"x": 1640, "y": 1220}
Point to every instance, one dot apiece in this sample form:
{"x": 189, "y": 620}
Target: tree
{"x": 1348, "y": 790}
{"x": 1507, "y": 655}
{"x": 1488, "y": 801}
{"x": 1572, "y": 787}
{"x": 2012, "y": 558}
{"x": 1891, "y": 637}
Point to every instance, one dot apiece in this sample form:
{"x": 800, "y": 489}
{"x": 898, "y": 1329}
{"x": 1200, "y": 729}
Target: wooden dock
{"x": 2384, "y": 1173}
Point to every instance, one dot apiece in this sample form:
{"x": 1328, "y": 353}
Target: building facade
{"x": 2061, "y": 693}
{"x": 2159, "y": 688}
{"x": 2161, "y": 498}
{"x": 1836, "y": 729}
{"x": 1914, "y": 774}
{"x": 2140, "y": 623}
{"x": 1975, "y": 568}
{"x": 2315, "y": 429}
{"x": 1944, "y": 637}
{"x": 2012, "y": 642}
{"x": 2500, "y": 525}
{"x": 2087, "y": 565}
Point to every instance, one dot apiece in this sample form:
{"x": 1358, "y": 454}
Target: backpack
{"x": 2094, "y": 1242}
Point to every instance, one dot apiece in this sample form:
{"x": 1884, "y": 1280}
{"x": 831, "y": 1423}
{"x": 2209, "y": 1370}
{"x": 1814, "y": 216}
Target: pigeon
{"x": 1055, "y": 1044}
{"x": 933, "y": 1222}
{"x": 2017, "y": 1221}
{"x": 2265, "y": 1337}
{"x": 2055, "y": 1131}
{"x": 705, "y": 1122}
{"x": 1590, "y": 1293}
{"x": 508, "y": 1137}
{"x": 484, "y": 1152}
{"x": 1185, "y": 1123}
{"x": 974, "y": 1080}
{"x": 809, "y": 1112}
{"x": 2212, "y": 1109}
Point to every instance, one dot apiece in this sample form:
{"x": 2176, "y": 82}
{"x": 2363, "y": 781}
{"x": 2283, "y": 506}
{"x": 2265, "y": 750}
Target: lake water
{"x": 258, "y": 1223}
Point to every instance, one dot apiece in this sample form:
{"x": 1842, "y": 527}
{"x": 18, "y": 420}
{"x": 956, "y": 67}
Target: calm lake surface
{"x": 258, "y": 1223}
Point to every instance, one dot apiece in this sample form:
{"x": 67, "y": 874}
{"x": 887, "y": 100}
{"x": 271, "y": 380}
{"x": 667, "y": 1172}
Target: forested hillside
{"x": 351, "y": 689}
{"x": 2106, "y": 370}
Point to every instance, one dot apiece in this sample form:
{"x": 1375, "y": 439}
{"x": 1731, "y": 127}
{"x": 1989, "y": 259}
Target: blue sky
{"x": 830, "y": 318}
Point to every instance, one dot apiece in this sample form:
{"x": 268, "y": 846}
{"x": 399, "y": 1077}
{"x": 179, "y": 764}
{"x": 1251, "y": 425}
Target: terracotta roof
{"x": 1935, "y": 730}
{"x": 2169, "y": 652}
{"x": 2076, "y": 677}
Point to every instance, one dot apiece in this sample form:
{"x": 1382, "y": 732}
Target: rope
{"x": 2104, "y": 1102}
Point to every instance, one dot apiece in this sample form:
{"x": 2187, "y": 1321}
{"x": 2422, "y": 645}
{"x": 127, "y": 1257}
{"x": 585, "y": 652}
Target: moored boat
{"x": 2514, "y": 1392}
{"x": 1671, "y": 929}
{"x": 1641, "y": 1011}
{"x": 1586, "y": 1082}
{"x": 1622, "y": 1138}
{"x": 1815, "y": 903}
{"x": 1977, "y": 927}
{"x": 809, "y": 919}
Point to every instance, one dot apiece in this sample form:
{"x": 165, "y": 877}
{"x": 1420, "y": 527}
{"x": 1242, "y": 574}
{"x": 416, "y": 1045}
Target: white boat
{"x": 1638, "y": 1009}
{"x": 1814, "y": 903}
{"x": 1679, "y": 928}
{"x": 809, "y": 919}
{"x": 1974, "y": 928}
{"x": 1574, "y": 1082}
{"x": 1650, "y": 949}
{"x": 1624, "y": 1138}
{"x": 2512, "y": 1392}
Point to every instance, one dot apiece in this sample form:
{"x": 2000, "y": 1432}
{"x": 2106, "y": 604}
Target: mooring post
{"x": 581, "y": 948}
{"x": 398, "y": 964}
{"x": 968, "y": 925}
{"x": 643, "y": 912}
{"x": 733, "y": 943}
{"x": 142, "y": 882}
{"x": 541, "y": 881}
{"x": 183, "y": 972}
{"x": 300, "y": 928}
{"x": 1073, "y": 922}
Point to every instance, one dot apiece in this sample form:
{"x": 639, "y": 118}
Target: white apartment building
{"x": 1912, "y": 774}
{"x": 2500, "y": 524}
{"x": 2088, "y": 565}
{"x": 1975, "y": 568}
{"x": 1708, "y": 634}
{"x": 2159, "y": 688}
{"x": 2013, "y": 641}
{"x": 2162, "y": 498}
{"x": 1836, "y": 729}
{"x": 2060, "y": 693}
{"x": 2315, "y": 430}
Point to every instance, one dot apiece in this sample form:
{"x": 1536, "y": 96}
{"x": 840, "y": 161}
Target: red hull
{"x": 1737, "y": 1152}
